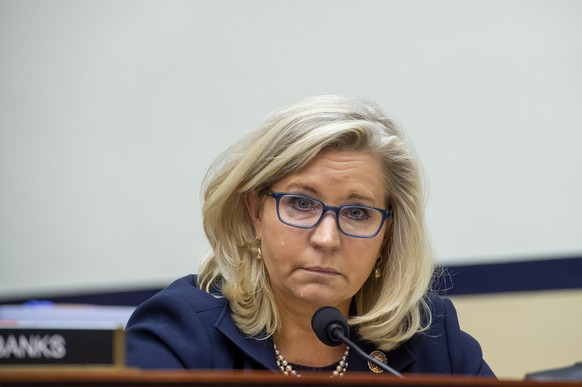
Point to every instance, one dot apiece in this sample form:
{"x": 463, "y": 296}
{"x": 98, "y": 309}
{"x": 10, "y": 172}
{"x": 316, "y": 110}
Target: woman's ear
{"x": 254, "y": 205}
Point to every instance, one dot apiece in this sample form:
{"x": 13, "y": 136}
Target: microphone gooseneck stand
{"x": 331, "y": 327}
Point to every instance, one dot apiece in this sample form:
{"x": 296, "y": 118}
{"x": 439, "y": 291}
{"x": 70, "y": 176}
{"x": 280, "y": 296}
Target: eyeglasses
{"x": 305, "y": 212}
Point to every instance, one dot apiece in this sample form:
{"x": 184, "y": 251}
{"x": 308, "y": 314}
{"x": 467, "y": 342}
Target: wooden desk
{"x": 132, "y": 377}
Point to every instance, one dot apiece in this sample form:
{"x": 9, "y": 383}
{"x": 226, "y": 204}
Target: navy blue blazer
{"x": 185, "y": 327}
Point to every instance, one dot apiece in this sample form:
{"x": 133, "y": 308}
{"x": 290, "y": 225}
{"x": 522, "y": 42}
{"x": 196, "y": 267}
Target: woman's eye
{"x": 302, "y": 203}
{"x": 358, "y": 213}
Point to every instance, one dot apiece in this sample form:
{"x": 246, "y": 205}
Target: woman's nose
{"x": 326, "y": 234}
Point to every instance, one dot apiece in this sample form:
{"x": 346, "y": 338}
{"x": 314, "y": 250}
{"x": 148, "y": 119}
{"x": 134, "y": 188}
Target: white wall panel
{"x": 111, "y": 111}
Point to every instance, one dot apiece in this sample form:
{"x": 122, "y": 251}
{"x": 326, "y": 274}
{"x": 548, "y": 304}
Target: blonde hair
{"x": 390, "y": 309}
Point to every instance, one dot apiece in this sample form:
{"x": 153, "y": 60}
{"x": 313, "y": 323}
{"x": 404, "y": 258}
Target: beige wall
{"x": 525, "y": 332}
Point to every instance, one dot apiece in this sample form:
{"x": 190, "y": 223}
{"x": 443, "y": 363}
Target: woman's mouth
{"x": 320, "y": 270}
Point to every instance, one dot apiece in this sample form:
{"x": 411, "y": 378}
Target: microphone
{"x": 331, "y": 327}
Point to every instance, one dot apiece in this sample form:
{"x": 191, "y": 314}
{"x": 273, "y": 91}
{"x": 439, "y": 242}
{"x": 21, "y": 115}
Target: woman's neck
{"x": 297, "y": 342}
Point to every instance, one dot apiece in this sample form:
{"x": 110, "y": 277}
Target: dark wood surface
{"x": 131, "y": 377}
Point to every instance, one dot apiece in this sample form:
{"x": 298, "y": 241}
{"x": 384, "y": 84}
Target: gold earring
{"x": 259, "y": 252}
{"x": 377, "y": 273}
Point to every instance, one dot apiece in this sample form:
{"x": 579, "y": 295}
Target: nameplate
{"x": 62, "y": 346}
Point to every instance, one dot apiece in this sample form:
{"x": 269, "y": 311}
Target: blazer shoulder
{"x": 175, "y": 328}
{"x": 445, "y": 321}
{"x": 185, "y": 291}
{"x": 445, "y": 345}
{"x": 438, "y": 304}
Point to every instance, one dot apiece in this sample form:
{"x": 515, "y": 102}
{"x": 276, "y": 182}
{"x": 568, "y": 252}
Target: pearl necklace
{"x": 287, "y": 368}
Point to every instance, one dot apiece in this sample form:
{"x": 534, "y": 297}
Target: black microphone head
{"x": 327, "y": 322}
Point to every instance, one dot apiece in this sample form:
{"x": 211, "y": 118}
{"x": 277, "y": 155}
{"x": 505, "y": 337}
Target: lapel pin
{"x": 380, "y": 356}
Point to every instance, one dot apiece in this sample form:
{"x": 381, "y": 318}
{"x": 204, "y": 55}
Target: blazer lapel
{"x": 400, "y": 359}
{"x": 261, "y": 351}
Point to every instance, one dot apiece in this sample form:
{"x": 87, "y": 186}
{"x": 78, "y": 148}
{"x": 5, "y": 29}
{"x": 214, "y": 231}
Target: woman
{"x": 320, "y": 206}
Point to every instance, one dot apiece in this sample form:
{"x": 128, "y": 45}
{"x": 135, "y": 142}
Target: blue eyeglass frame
{"x": 278, "y": 195}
